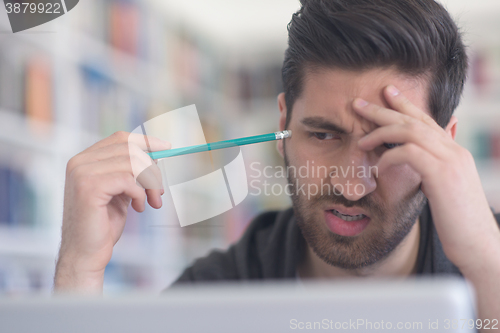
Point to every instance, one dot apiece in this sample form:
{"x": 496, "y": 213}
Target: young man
{"x": 358, "y": 75}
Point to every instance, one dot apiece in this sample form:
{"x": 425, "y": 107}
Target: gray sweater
{"x": 271, "y": 247}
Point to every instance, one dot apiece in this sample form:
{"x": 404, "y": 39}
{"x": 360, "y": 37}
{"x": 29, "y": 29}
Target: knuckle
{"x": 121, "y": 135}
{"x": 412, "y": 149}
{"x": 411, "y": 125}
{"x": 428, "y": 119}
{"x": 72, "y": 163}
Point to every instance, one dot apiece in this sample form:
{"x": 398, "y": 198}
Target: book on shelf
{"x": 17, "y": 198}
{"x": 38, "y": 90}
{"x": 12, "y": 75}
{"x": 124, "y": 26}
{"x": 495, "y": 145}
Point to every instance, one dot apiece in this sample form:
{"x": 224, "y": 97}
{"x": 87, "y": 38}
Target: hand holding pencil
{"x": 100, "y": 185}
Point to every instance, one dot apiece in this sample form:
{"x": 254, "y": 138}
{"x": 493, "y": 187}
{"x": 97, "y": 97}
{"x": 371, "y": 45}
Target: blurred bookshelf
{"x": 107, "y": 66}
{"x": 479, "y": 112}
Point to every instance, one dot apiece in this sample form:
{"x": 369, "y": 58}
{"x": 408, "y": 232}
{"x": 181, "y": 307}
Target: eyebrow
{"x": 322, "y": 123}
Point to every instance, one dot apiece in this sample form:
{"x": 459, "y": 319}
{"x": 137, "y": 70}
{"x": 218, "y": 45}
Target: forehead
{"x": 330, "y": 92}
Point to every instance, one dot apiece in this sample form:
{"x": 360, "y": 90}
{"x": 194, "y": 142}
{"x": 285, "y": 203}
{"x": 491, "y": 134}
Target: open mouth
{"x": 348, "y": 218}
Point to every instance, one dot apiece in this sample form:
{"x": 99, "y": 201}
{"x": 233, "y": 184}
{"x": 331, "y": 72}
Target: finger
{"x": 145, "y": 142}
{"x": 416, "y": 133}
{"x": 399, "y": 102}
{"x": 380, "y": 115}
{"x": 99, "y": 154}
{"x": 154, "y": 198}
{"x": 139, "y": 161}
{"x": 416, "y": 157}
{"x": 149, "y": 178}
{"x": 136, "y": 193}
{"x": 107, "y": 186}
{"x": 105, "y": 152}
{"x": 113, "y": 164}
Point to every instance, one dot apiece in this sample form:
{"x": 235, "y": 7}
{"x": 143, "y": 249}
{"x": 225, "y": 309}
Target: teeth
{"x": 348, "y": 217}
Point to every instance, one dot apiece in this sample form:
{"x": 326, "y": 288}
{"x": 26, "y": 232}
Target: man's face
{"x": 341, "y": 181}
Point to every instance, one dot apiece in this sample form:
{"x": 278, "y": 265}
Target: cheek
{"x": 397, "y": 182}
{"x": 310, "y": 167}
{"x": 298, "y": 154}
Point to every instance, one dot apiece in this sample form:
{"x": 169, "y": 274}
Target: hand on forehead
{"x": 329, "y": 94}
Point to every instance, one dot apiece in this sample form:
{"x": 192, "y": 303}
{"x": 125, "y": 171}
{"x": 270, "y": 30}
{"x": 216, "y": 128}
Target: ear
{"x": 282, "y": 121}
{"x": 451, "y": 128}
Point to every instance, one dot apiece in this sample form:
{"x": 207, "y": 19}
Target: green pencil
{"x": 220, "y": 145}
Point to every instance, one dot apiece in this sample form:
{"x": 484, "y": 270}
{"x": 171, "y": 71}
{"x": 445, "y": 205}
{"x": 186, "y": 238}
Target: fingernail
{"x": 393, "y": 91}
{"x": 162, "y": 192}
{"x": 360, "y": 102}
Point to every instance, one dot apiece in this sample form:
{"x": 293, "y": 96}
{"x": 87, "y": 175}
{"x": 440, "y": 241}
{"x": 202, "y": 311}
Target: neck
{"x": 400, "y": 263}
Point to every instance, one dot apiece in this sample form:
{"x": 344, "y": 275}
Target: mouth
{"x": 347, "y": 217}
{"x": 345, "y": 224}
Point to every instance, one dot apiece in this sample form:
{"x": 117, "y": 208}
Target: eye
{"x": 323, "y": 136}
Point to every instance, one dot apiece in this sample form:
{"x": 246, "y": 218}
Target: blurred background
{"x": 110, "y": 65}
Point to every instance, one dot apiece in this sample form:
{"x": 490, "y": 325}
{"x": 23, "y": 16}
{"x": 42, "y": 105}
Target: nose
{"x": 355, "y": 176}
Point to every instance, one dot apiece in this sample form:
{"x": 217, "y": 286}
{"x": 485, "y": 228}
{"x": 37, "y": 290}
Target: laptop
{"x": 410, "y": 305}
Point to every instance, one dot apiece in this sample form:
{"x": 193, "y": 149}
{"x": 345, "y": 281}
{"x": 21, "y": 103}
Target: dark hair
{"x": 417, "y": 37}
